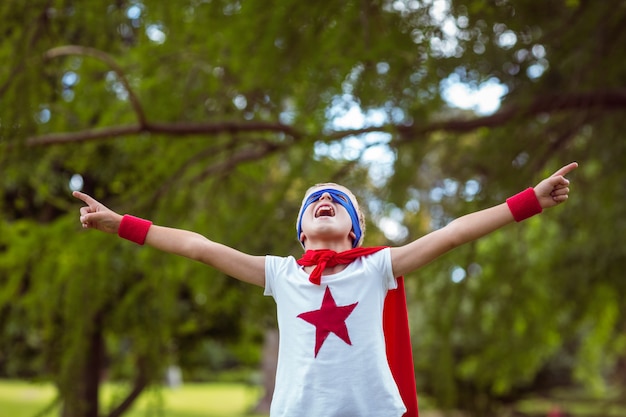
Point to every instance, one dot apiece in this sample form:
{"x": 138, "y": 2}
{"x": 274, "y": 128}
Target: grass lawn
{"x": 575, "y": 404}
{"x": 24, "y": 399}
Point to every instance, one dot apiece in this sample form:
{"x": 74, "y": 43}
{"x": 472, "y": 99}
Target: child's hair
{"x": 353, "y": 200}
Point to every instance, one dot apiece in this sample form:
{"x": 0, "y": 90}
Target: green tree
{"x": 216, "y": 116}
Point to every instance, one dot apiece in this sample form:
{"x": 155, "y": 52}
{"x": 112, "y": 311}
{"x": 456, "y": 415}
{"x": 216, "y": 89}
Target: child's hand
{"x": 554, "y": 189}
{"x": 96, "y": 215}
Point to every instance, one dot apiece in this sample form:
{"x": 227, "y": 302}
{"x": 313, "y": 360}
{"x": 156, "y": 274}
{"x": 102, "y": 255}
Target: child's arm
{"x": 549, "y": 192}
{"x": 192, "y": 245}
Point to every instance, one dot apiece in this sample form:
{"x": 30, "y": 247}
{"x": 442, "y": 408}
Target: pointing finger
{"x": 566, "y": 169}
{"x": 85, "y": 198}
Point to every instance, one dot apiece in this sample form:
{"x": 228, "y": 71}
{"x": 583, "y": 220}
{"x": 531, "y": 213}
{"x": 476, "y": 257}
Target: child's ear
{"x": 302, "y": 237}
{"x": 352, "y": 236}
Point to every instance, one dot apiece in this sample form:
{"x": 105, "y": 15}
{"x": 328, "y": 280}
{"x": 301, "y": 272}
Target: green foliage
{"x": 216, "y": 116}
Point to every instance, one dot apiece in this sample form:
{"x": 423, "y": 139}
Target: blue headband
{"x": 338, "y": 197}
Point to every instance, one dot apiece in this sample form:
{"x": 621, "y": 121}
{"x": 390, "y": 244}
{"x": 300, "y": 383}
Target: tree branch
{"x": 257, "y": 151}
{"x": 550, "y": 104}
{"x": 174, "y": 129}
{"x": 241, "y": 156}
{"x": 83, "y": 135}
{"x": 139, "y": 384}
{"x": 107, "y": 59}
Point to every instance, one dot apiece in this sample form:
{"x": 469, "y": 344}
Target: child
{"x": 337, "y": 287}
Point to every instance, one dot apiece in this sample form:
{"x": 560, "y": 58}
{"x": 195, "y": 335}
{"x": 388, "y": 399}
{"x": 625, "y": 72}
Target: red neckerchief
{"x": 395, "y": 320}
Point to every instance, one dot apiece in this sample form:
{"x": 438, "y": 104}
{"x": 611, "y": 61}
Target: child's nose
{"x": 326, "y": 196}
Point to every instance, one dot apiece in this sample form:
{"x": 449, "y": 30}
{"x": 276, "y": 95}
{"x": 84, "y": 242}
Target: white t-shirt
{"x": 332, "y": 360}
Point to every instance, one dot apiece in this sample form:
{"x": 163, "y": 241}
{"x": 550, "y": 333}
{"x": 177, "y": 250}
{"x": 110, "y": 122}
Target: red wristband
{"x": 134, "y": 229}
{"x": 524, "y": 205}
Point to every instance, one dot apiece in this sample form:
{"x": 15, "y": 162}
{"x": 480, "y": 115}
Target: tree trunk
{"x": 81, "y": 399}
{"x": 268, "y": 369}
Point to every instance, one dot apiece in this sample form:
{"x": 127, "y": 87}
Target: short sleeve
{"x": 390, "y": 282}
{"x": 275, "y": 266}
{"x": 270, "y": 273}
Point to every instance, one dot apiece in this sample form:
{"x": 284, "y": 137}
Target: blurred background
{"x": 217, "y": 115}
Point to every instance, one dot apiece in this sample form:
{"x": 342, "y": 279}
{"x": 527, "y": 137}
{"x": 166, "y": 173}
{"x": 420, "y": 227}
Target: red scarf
{"x": 395, "y": 320}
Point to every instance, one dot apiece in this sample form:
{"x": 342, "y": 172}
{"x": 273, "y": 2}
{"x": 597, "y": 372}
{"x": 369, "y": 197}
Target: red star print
{"x": 329, "y": 318}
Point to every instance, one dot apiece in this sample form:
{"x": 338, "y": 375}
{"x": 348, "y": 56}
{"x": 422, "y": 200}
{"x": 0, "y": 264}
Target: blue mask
{"x": 340, "y": 198}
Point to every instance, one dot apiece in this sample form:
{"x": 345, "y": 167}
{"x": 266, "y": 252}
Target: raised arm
{"x": 185, "y": 243}
{"x": 549, "y": 193}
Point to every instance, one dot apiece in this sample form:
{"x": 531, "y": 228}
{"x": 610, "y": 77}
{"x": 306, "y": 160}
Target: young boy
{"x": 332, "y": 351}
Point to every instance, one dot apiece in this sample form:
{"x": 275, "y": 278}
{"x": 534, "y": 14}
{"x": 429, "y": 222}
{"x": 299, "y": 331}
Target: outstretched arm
{"x": 549, "y": 192}
{"x": 192, "y": 245}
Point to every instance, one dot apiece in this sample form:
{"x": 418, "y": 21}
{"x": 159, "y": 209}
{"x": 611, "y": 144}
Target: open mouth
{"x": 325, "y": 210}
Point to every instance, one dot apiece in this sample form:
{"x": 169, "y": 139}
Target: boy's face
{"x": 326, "y": 216}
